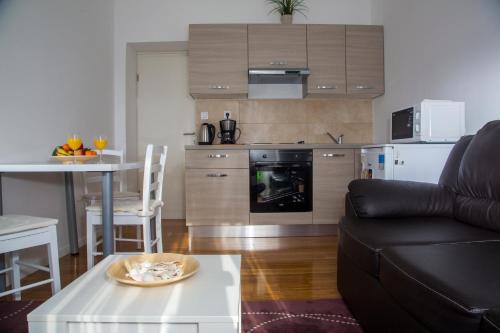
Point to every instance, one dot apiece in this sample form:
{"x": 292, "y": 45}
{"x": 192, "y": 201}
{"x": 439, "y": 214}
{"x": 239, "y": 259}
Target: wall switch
{"x": 204, "y": 115}
{"x": 227, "y": 114}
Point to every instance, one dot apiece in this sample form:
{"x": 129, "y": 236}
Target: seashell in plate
{"x": 147, "y": 271}
{"x": 154, "y": 269}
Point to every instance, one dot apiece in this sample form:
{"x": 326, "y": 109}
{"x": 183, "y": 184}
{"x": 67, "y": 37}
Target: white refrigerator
{"x": 407, "y": 161}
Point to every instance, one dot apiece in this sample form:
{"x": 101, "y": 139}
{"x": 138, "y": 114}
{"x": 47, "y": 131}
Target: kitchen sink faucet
{"x": 336, "y": 140}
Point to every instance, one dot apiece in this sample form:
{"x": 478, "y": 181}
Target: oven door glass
{"x": 281, "y": 187}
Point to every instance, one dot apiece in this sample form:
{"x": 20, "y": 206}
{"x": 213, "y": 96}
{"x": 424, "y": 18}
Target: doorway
{"x": 165, "y": 112}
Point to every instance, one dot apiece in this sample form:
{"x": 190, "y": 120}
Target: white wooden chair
{"x": 19, "y": 232}
{"x": 136, "y": 212}
{"x": 91, "y": 182}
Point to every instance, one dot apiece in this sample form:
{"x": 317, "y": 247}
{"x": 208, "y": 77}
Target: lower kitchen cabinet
{"x": 281, "y": 218}
{"x": 217, "y": 197}
{"x": 333, "y": 169}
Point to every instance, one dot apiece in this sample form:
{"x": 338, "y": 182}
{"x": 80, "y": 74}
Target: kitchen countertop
{"x": 277, "y": 146}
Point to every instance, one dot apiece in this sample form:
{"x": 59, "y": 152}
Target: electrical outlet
{"x": 204, "y": 115}
{"x": 227, "y": 114}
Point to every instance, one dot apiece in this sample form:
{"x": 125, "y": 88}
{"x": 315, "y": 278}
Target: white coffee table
{"x": 208, "y": 302}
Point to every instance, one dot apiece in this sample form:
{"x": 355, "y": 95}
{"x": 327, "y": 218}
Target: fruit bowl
{"x": 73, "y": 159}
{"x": 66, "y": 155}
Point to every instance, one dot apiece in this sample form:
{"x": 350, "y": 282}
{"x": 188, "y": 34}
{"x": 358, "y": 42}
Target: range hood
{"x": 277, "y": 83}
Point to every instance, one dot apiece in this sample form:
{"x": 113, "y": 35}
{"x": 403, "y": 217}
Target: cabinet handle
{"x": 326, "y": 87}
{"x": 279, "y": 63}
{"x": 218, "y": 156}
{"x": 216, "y": 175}
{"x": 362, "y": 87}
{"x": 218, "y": 87}
{"x": 333, "y": 155}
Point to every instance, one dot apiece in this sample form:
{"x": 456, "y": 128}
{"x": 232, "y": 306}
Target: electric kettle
{"x": 207, "y": 134}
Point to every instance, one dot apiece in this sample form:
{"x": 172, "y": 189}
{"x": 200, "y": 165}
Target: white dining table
{"x": 107, "y": 168}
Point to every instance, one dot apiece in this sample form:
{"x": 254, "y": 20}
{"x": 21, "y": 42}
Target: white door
{"x": 165, "y": 111}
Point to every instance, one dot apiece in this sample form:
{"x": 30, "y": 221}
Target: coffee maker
{"x": 228, "y": 130}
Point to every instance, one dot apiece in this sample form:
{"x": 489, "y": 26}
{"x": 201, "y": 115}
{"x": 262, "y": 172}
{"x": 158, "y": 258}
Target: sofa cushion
{"x": 363, "y": 239}
{"x": 491, "y": 321}
{"x": 478, "y": 200}
{"x": 447, "y": 287}
{"x": 484, "y": 213}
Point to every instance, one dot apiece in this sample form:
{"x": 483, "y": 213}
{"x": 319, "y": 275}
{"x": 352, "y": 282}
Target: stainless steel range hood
{"x": 285, "y": 72}
{"x": 277, "y": 83}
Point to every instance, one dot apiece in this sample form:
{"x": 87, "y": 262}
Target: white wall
{"x": 131, "y": 114}
{"x": 56, "y": 79}
{"x": 168, "y": 20}
{"x": 440, "y": 49}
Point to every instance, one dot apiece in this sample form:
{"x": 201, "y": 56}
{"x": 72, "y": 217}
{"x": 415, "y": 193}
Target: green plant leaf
{"x": 287, "y": 7}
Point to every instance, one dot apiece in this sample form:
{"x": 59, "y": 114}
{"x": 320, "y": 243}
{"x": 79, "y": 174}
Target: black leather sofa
{"x": 418, "y": 257}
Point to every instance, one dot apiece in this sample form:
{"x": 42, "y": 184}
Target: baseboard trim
{"x": 257, "y": 231}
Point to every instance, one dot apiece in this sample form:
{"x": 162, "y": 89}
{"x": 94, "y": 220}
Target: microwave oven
{"x": 430, "y": 121}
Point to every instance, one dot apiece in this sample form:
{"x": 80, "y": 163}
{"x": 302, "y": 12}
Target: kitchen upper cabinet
{"x": 326, "y": 59}
{"x": 365, "y": 60}
{"x": 277, "y": 46}
{"x": 343, "y": 60}
{"x": 218, "y": 60}
{"x": 333, "y": 169}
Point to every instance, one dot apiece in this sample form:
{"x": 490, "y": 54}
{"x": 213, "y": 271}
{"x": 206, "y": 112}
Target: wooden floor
{"x": 289, "y": 268}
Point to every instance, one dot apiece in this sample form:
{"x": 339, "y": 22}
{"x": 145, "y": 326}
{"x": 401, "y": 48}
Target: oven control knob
{"x": 264, "y": 156}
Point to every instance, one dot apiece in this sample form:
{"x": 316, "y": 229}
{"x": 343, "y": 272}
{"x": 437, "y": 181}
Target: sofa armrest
{"x": 490, "y": 322}
{"x": 374, "y": 198}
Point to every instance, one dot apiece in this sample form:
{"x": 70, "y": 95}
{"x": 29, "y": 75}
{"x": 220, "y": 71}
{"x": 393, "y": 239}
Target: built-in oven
{"x": 280, "y": 181}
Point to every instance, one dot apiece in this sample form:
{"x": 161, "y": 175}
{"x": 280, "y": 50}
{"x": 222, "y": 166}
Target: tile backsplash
{"x": 289, "y": 121}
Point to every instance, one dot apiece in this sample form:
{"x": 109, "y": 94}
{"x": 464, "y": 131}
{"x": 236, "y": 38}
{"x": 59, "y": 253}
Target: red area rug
{"x": 322, "y": 316}
{"x": 319, "y": 316}
{"x": 13, "y": 315}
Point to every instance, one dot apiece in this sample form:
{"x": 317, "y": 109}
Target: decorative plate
{"x": 119, "y": 270}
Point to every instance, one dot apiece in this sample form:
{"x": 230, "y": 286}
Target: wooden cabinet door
{"x": 217, "y": 197}
{"x": 218, "y": 60}
{"x": 326, "y": 59}
{"x": 365, "y": 60}
{"x": 277, "y": 46}
{"x": 333, "y": 169}
{"x": 217, "y": 159}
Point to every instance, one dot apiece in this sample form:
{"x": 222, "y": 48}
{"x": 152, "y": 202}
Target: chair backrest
{"x": 154, "y": 171}
{"x": 92, "y": 177}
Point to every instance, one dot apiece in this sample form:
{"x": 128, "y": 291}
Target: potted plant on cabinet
{"x": 286, "y": 8}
